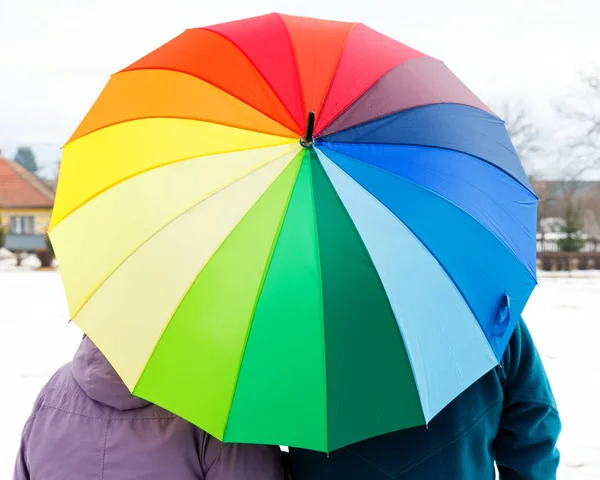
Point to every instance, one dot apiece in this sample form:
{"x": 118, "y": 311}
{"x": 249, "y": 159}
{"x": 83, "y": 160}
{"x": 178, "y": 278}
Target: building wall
{"x": 41, "y": 215}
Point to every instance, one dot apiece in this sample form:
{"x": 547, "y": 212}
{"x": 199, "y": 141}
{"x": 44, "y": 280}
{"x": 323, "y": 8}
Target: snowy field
{"x": 563, "y": 315}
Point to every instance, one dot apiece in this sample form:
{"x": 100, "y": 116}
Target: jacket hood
{"x": 99, "y": 380}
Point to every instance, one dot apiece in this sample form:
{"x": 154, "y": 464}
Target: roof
{"x": 21, "y": 189}
{"x": 558, "y": 187}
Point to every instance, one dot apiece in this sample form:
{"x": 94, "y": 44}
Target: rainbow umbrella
{"x": 294, "y": 231}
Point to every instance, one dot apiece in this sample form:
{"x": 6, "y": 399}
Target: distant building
{"x": 25, "y": 207}
{"x": 554, "y": 197}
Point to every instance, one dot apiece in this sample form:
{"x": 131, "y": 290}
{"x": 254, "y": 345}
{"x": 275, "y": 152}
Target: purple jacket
{"x": 85, "y": 425}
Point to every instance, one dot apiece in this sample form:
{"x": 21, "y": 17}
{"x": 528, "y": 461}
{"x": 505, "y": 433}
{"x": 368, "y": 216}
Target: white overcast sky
{"x": 56, "y": 55}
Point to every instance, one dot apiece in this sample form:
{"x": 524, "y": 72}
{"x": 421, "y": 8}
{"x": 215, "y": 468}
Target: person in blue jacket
{"x": 508, "y": 418}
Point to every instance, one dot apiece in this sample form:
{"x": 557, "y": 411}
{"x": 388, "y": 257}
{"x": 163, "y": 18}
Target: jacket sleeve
{"x": 530, "y": 424}
{"x": 230, "y": 461}
{"x": 21, "y": 467}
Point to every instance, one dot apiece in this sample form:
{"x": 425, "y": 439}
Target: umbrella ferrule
{"x": 307, "y": 140}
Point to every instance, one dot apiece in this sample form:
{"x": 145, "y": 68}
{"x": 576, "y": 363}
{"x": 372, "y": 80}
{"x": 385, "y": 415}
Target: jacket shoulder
{"x": 62, "y": 380}
{"x": 63, "y": 393}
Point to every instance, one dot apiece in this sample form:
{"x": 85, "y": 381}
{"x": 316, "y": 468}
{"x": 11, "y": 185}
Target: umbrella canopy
{"x": 294, "y": 231}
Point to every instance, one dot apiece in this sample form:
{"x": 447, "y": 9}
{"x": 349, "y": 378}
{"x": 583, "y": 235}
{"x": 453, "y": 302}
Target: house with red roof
{"x": 25, "y": 207}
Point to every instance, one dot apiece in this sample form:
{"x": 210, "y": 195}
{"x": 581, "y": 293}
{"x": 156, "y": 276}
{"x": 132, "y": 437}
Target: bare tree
{"x": 572, "y": 214}
{"x": 591, "y": 205}
{"x": 527, "y": 139}
{"x": 523, "y": 131}
{"x": 572, "y": 199}
{"x": 544, "y": 194}
{"x": 582, "y": 112}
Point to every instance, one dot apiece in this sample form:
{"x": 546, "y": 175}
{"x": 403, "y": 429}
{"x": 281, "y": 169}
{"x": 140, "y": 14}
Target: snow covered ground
{"x": 564, "y": 318}
{"x": 563, "y": 315}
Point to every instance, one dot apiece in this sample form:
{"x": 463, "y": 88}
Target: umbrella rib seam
{"x": 182, "y": 72}
{"x": 410, "y": 362}
{"x": 227, "y": 91}
{"x": 156, "y": 167}
{"x": 404, "y": 64}
{"x": 174, "y": 218}
{"x": 208, "y": 260}
{"x": 422, "y": 243}
{"x": 362, "y": 162}
{"x": 320, "y": 264}
{"x": 354, "y": 127}
{"x": 360, "y": 94}
{"x": 385, "y": 115}
{"x": 259, "y": 294}
{"x": 174, "y": 117}
{"x": 438, "y": 147}
{"x": 332, "y": 77}
{"x": 295, "y": 57}
{"x": 259, "y": 72}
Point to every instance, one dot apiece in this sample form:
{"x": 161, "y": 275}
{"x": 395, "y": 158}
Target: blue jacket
{"x": 508, "y": 417}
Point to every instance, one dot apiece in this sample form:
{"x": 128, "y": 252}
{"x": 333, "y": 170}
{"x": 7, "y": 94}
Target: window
{"x": 22, "y": 225}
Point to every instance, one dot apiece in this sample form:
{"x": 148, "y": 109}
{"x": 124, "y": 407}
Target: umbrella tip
{"x": 307, "y": 140}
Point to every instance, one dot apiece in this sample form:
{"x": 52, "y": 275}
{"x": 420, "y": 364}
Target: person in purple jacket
{"x": 86, "y": 425}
